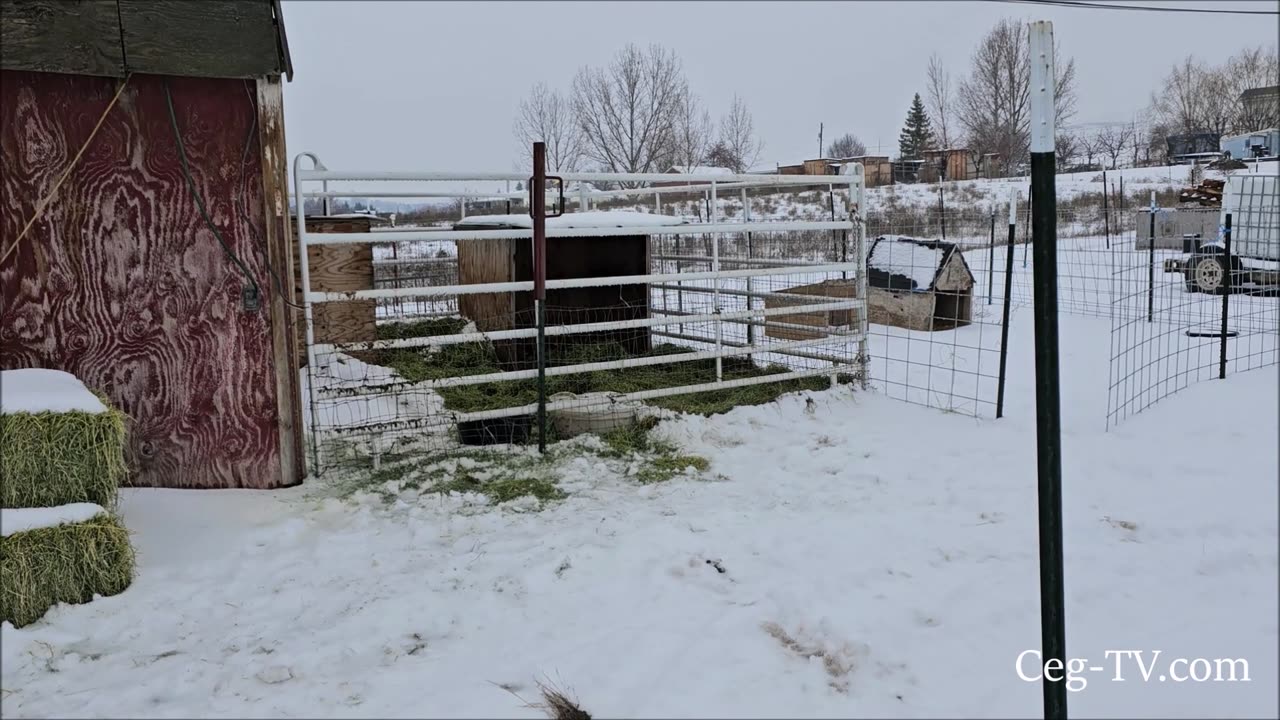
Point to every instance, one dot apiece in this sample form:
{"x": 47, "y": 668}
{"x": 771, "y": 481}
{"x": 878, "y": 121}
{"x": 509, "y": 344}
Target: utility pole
{"x": 819, "y": 141}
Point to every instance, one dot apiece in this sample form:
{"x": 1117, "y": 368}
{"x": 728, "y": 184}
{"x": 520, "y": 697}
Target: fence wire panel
{"x": 936, "y": 290}
{"x": 1168, "y": 332}
{"x": 646, "y": 312}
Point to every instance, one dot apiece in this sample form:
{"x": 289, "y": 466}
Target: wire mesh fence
{"x": 1186, "y": 315}
{"x": 936, "y": 295}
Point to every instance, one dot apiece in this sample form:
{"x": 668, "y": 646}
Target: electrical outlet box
{"x": 249, "y": 298}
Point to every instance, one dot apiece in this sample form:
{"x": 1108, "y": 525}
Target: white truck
{"x": 1253, "y": 202}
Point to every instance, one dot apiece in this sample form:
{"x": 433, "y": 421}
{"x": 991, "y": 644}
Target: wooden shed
{"x": 877, "y": 170}
{"x": 948, "y": 164}
{"x": 918, "y": 284}
{"x": 490, "y": 261}
{"x": 145, "y": 252}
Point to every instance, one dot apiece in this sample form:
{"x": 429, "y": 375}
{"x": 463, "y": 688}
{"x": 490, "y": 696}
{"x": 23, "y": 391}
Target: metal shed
{"x": 143, "y": 243}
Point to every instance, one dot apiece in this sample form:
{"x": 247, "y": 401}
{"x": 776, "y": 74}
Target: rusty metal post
{"x": 538, "y": 208}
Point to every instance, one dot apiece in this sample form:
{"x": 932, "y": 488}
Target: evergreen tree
{"x": 917, "y": 134}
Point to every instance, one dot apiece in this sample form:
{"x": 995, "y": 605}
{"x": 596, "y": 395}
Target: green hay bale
{"x": 64, "y": 564}
{"x": 58, "y": 458}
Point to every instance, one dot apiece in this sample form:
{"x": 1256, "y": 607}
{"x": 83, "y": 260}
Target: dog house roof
{"x": 899, "y": 262}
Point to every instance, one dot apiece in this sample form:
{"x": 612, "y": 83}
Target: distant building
{"x": 1189, "y": 147}
{"x": 953, "y": 164}
{"x": 1261, "y": 106}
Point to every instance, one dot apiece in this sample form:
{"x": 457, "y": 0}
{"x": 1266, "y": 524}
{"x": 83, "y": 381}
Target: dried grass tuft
{"x": 559, "y": 706}
{"x": 69, "y": 563}
{"x": 58, "y": 458}
{"x": 555, "y": 703}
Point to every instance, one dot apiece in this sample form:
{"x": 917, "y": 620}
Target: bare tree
{"x": 719, "y": 155}
{"x": 1157, "y": 147}
{"x": 1195, "y": 97}
{"x": 1137, "y": 141}
{"x": 941, "y": 100}
{"x": 1253, "y": 68}
{"x": 738, "y": 135}
{"x": 547, "y": 116}
{"x": 1113, "y": 139}
{"x": 1179, "y": 103}
{"x": 846, "y": 146}
{"x": 1091, "y": 145}
{"x": 1065, "y": 145}
{"x": 993, "y": 103}
{"x": 628, "y": 111}
{"x": 693, "y": 132}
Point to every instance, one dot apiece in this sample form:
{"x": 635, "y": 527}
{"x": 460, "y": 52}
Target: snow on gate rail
{"x": 662, "y": 308}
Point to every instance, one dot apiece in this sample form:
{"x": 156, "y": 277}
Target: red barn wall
{"x": 120, "y": 281}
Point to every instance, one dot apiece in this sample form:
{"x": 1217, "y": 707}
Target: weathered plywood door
{"x": 121, "y": 283}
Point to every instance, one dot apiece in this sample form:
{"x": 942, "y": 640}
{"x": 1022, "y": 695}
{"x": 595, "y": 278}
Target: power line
{"x": 1148, "y": 8}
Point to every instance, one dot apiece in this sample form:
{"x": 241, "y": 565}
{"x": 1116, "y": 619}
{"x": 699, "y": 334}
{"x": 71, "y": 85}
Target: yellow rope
{"x": 40, "y": 206}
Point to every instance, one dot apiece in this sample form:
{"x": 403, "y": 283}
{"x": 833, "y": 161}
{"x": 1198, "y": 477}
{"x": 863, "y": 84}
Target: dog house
{"x": 811, "y": 325}
{"x": 503, "y": 260}
{"x": 918, "y": 284}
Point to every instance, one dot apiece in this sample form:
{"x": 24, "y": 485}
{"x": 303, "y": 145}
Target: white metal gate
{"x": 739, "y": 295}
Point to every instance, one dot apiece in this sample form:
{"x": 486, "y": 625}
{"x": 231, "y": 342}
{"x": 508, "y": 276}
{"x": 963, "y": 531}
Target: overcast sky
{"x": 435, "y": 86}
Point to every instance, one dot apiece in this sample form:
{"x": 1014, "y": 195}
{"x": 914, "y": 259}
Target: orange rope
{"x": 40, "y": 206}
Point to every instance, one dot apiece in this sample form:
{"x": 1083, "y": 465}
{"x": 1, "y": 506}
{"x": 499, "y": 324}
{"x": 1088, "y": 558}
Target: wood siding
{"x": 59, "y": 36}
{"x": 338, "y": 268}
{"x": 204, "y": 38}
{"x": 121, "y": 283}
{"x": 487, "y": 261}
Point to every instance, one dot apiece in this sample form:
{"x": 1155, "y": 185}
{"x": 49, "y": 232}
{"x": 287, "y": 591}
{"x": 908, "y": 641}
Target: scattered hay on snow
{"x": 67, "y": 563}
{"x": 56, "y": 458}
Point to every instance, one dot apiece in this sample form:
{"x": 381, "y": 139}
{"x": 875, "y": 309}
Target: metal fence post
{"x": 746, "y": 217}
{"x": 1106, "y": 211}
{"x": 1048, "y": 402}
{"x": 713, "y": 213}
{"x": 1151, "y": 263}
{"x": 942, "y": 211}
{"x": 991, "y": 258}
{"x": 538, "y": 207}
{"x": 1226, "y": 295}
{"x": 1008, "y": 292}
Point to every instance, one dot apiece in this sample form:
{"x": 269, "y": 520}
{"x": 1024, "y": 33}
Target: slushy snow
{"x": 857, "y": 557}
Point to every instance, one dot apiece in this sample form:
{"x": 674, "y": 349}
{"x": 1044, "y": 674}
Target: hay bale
{"x": 42, "y": 565}
{"x": 62, "y": 443}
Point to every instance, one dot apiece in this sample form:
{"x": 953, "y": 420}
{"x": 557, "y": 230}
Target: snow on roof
{"x": 913, "y": 261}
{"x": 595, "y": 219}
{"x": 350, "y": 215}
{"x": 699, "y": 170}
{"x": 36, "y": 390}
{"x": 24, "y": 519}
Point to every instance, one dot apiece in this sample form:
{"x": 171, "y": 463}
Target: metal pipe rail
{"x": 433, "y": 341}
{"x": 603, "y": 177}
{"x": 420, "y": 235}
{"x": 623, "y": 364}
{"x": 460, "y": 417}
{"x": 527, "y": 285}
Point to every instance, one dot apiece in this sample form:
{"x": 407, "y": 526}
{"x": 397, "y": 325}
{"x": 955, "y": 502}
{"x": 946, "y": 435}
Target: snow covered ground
{"x": 860, "y": 557}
